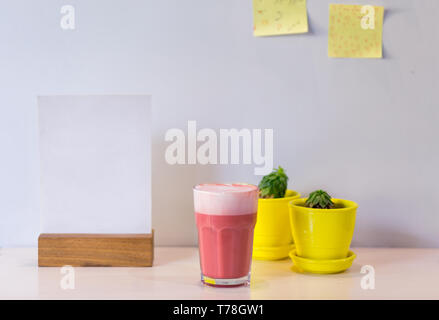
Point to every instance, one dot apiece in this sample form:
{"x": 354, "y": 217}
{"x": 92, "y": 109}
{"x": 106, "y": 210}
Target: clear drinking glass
{"x": 226, "y": 217}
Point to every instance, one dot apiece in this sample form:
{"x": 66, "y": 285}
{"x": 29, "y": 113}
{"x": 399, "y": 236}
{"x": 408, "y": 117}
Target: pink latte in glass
{"x": 226, "y": 217}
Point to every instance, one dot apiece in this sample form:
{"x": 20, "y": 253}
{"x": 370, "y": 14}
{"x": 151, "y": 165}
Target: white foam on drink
{"x": 226, "y": 199}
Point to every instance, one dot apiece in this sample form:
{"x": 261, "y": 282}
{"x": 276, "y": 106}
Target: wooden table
{"x": 399, "y": 274}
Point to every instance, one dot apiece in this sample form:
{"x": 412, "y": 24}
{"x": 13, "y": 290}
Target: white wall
{"x": 365, "y": 130}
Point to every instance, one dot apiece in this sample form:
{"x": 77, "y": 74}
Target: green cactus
{"x": 319, "y": 199}
{"x": 274, "y": 185}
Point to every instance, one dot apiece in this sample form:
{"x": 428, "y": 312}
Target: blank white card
{"x": 95, "y": 157}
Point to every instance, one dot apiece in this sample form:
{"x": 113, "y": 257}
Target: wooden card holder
{"x": 95, "y": 250}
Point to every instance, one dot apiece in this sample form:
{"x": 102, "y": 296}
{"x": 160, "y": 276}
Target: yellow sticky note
{"x": 275, "y": 17}
{"x": 355, "y": 31}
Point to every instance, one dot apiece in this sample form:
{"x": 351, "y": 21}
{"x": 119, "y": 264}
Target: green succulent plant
{"x": 319, "y": 199}
{"x": 273, "y": 185}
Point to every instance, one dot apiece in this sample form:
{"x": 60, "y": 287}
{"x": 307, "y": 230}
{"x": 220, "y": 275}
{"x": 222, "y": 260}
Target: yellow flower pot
{"x": 322, "y": 234}
{"x": 272, "y": 236}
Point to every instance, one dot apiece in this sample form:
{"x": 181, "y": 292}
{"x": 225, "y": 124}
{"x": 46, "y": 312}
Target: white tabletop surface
{"x": 399, "y": 274}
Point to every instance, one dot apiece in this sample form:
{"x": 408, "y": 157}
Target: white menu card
{"x": 95, "y": 159}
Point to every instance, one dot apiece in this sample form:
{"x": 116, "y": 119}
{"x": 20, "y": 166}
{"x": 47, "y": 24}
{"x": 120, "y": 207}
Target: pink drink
{"x": 226, "y": 217}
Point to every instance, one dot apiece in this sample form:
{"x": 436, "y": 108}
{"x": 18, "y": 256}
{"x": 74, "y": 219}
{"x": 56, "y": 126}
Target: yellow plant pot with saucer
{"x": 273, "y": 238}
{"x": 322, "y": 236}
